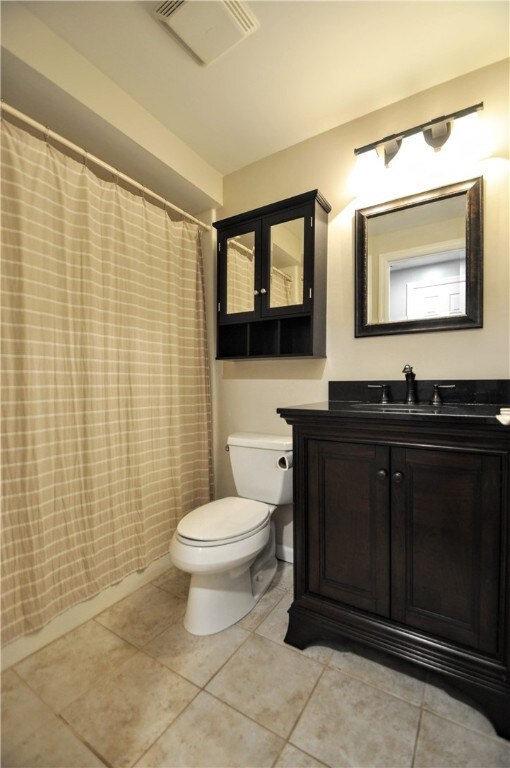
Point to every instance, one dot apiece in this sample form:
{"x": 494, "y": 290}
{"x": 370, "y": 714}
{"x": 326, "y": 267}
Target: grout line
{"x": 298, "y": 718}
{"x": 416, "y": 738}
{"x": 83, "y": 741}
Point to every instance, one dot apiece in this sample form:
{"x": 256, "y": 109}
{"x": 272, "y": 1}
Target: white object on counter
{"x": 504, "y": 416}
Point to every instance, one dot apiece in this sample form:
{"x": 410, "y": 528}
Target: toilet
{"x": 228, "y": 545}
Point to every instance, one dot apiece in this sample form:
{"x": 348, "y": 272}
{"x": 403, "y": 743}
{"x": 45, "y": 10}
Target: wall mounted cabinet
{"x": 272, "y": 265}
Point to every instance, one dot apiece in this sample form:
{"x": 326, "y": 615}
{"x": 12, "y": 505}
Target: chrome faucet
{"x": 410, "y": 383}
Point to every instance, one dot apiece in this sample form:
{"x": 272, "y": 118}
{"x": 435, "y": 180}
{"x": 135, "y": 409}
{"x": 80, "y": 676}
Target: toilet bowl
{"x": 228, "y": 545}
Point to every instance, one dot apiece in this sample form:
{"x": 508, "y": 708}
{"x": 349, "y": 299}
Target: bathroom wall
{"x": 248, "y": 392}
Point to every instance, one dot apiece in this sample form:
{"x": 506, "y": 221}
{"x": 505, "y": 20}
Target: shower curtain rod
{"x": 48, "y": 133}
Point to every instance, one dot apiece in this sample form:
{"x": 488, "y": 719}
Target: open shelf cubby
{"x": 284, "y": 337}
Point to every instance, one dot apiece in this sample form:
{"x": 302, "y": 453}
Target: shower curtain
{"x": 106, "y": 411}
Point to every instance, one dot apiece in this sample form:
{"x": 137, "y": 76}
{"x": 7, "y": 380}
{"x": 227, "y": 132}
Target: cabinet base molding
{"x": 485, "y": 680}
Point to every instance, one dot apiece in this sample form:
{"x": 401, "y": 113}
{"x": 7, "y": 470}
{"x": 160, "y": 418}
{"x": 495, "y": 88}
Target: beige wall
{"x": 248, "y": 392}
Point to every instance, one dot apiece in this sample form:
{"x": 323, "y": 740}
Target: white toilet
{"x": 228, "y": 545}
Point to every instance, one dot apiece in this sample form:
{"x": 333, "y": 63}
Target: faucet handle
{"x": 436, "y": 397}
{"x": 385, "y": 391}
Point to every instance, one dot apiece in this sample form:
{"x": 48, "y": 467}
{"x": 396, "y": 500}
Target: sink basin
{"x": 406, "y": 408}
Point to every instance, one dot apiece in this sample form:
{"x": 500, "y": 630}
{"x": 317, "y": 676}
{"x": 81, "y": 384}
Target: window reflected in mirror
{"x": 241, "y": 273}
{"x": 417, "y": 262}
{"x": 286, "y": 263}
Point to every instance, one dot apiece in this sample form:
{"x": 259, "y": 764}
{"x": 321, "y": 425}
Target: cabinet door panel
{"x": 445, "y": 551}
{"x": 348, "y": 520}
{"x": 239, "y": 273}
{"x": 287, "y": 264}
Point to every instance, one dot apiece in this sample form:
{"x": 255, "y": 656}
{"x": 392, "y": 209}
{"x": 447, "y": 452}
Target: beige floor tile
{"x": 22, "y": 712}
{"x": 174, "y": 581}
{"x": 391, "y": 675}
{"x": 444, "y": 700}
{"x": 129, "y": 709}
{"x": 67, "y": 668}
{"x": 267, "y": 682}
{"x": 195, "y": 658}
{"x": 143, "y": 615}
{"x": 284, "y": 577}
{"x": 349, "y": 723}
{"x": 52, "y": 746}
{"x": 292, "y": 757}
{"x": 274, "y": 627}
{"x": 266, "y": 603}
{"x": 212, "y": 735}
{"x": 446, "y": 744}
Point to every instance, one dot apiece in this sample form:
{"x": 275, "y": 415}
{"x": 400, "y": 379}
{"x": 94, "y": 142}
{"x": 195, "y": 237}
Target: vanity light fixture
{"x": 435, "y": 132}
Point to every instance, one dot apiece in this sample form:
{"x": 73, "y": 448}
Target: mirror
{"x": 419, "y": 262}
{"x": 287, "y": 253}
{"x": 241, "y": 273}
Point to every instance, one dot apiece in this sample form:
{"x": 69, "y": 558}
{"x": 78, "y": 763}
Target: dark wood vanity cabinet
{"x": 401, "y": 543}
{"x": 271, "y": 280}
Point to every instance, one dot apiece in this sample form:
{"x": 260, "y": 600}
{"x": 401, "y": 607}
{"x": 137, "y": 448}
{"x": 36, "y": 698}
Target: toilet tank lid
{"x": 257, "y": 440}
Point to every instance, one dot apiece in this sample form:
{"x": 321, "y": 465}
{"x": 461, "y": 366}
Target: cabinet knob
{"x": 263, "y": 290}
{"x": 255, "y": 293}
{"x": 381, "y": 474}
{"x": 397, "y": 477}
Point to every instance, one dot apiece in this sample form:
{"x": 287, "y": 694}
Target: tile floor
{"x": 132, "y": 688}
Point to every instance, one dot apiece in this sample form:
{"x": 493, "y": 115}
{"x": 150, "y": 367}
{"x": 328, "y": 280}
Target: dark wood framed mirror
{"x": 419, "y": 262}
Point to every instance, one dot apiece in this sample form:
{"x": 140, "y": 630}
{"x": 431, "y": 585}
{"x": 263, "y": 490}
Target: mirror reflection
{"x": 241, "y": 273}
{"x": 419, "y": 262}
{"x": 287, "y": 242}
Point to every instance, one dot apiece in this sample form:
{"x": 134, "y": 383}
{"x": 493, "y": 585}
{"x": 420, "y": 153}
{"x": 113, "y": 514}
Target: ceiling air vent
{"x": 208, "y": 28}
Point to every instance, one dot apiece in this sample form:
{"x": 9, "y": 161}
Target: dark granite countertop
{"x": 354, "y": 409}
{"x": 468, "y": 400}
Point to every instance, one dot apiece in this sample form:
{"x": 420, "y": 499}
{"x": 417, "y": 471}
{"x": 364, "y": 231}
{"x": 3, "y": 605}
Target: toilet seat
{"x": 223, "y": 522}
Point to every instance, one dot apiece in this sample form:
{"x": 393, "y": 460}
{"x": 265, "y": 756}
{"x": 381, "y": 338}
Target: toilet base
{"x": 218, "y": 600}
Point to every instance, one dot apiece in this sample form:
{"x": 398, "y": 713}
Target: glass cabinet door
{"x": 240, "y": 257}
{"x": 286, "y": 263}
{"x": 288, "y": 247}
{"x": 239, "y": 273}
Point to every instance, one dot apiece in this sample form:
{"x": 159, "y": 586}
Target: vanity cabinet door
{"x": 446, "y": 533}
{"x": 348, "y": 524}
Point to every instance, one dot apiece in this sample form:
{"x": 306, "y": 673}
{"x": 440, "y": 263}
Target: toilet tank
{"x": 262, "y": 466}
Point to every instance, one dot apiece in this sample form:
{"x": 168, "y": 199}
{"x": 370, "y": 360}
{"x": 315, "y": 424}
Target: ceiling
{"x": 310, "y": 66}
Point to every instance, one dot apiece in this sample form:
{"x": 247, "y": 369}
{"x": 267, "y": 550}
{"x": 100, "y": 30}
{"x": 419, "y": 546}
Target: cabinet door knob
{"x": 381, "y": 474}
{"x": 263, "y": 290}
{"x": 255, "y": 293}
{"x": 397, "y": 477}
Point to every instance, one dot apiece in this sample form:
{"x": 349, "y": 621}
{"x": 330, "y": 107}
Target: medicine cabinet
{"x": 272, "y": 280}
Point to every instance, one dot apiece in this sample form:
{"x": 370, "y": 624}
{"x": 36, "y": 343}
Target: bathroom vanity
{"x": 401, "y": 534}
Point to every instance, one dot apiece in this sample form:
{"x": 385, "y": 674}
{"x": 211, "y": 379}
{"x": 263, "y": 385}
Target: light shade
{"x": 388, "y": 149}
{"x": 438, "y": 134}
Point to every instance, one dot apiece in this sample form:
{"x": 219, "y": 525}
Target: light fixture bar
{"x": 418, "y": 128}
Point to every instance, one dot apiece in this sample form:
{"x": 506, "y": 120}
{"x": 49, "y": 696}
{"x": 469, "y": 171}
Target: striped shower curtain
{"x": 106, "y": 412}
